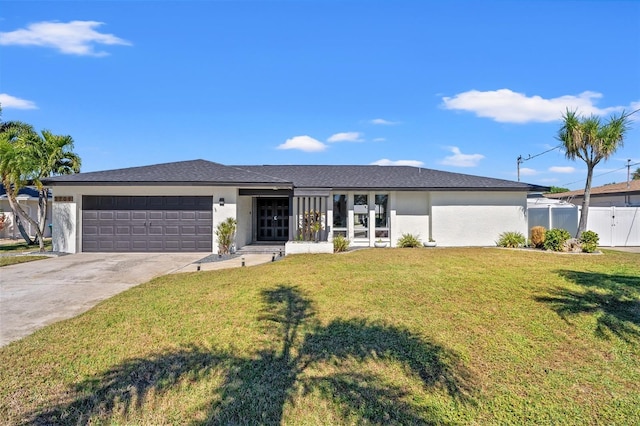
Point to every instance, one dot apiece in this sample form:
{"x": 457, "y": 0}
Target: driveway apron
{"x": 35, "y": 294}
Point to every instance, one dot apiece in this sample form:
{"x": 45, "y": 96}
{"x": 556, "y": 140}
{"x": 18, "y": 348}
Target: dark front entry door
{"x": 273, "y": 219}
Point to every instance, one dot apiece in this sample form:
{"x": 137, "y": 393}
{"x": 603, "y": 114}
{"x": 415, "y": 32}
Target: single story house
{"x": 625, "y": 194}
{"x": 28, "y": 199}
{"x": 177, "y": 206}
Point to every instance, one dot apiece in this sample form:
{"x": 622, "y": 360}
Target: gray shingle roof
{"x": 336, "y": 177}
{"x": 181, "y": 172}
{"x": 381, "y": 177}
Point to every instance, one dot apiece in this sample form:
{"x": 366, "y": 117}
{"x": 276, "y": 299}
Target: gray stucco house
{"x": 177, "y": 206}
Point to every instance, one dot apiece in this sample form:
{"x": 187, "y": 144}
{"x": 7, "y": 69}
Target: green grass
{"x": 21, "y": 246}
{"x": 13, "y": 260}
{"x": 446, "y": 336}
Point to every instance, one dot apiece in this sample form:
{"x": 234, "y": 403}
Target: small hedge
{"x": 409, "y": 241}
{"x": 511, "y": 240}
{"x": 554, "y": 239}
{"x": 589, "y": 241}
{"x": 340, "y": 244}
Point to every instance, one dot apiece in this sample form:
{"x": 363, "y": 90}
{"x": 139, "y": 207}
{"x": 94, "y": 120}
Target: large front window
{"x": 340, "y": 215}
{"x": 361, "y": 216}
{"x": 382, "y": 216}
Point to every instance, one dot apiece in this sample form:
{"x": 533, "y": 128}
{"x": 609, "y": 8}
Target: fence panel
{"x": 616, "y": 226}
{"x": 562, "y": 217}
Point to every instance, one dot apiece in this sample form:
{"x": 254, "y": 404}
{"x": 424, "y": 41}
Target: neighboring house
{"x": 28, "y": 199}
{"x": 177, "y": 206}
{"x": 613, "y": 195}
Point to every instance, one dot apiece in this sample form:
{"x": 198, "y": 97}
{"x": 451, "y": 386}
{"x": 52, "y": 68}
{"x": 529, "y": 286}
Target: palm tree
{"x": 591, "y": 140}
{"x": 54, "y": 156}
{"x": 15, "y": 164}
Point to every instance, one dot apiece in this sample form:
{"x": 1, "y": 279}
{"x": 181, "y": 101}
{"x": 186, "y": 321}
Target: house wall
{"x": 410, "y": 214}
{"x": 245, "y": 221}
{"x": 31, "y": 207}
{"x": 613, "y": 200}
{"x": 467, "y": 218}
{"x": 67, "y": 221}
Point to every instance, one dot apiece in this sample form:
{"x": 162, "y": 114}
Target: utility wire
{"x": 602, "y": 174}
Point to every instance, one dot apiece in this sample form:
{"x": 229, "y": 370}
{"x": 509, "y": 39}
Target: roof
{"x": 302, "y": 176}
{"x": 612, "y": 189}
{"x": 383, "y": 177}
{"x": 25, "y": 192}
{"x": 181, "y": 172}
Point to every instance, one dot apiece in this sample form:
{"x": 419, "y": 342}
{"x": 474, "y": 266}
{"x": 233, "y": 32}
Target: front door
{"x": 273, "y": 219}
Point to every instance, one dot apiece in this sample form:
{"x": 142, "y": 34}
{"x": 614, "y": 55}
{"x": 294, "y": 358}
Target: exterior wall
{"x": 410, "y": 215}
{"x": 476, "y": 218}
{"x": 68, "y": 216}
{"x": 65, "y": 232}
{"x": 31, "y": 207}
{"x": 244, "y": 235}
{"x": 613, "y": 200}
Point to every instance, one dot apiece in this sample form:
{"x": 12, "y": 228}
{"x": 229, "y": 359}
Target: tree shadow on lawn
{"x": 614, "y": 299}
{"x": 256, "y": 389}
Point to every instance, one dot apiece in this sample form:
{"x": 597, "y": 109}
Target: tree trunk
{"x": 23, "y": 232}
{"x": 584, "y": 215}
{"x": 42, "y": 214}
{"x": 18, "y": 211}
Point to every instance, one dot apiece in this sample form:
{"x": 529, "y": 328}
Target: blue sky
{"x": 463, "y": 86}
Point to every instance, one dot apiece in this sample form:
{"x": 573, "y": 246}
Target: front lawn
{"x": 395, "y": 336}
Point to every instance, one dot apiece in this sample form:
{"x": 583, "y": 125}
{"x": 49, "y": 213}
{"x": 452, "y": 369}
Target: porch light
{"x": 221, "y": 202}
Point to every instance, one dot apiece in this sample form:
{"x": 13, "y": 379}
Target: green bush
{"x": 589, "y": 240}
{"x": 340, "y": 243}
{"x": 409, "y": 241}
{"x": 226, "y": 232}
{"x": 511, "y": 240}
{"x": 554, "y": 239}
{"x": 537, "y": 236}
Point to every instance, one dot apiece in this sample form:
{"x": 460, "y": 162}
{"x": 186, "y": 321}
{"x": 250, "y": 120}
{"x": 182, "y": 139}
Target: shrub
{"x": 511, "y": 240}
{"x": 537, "y": 236}
{"x": 554, "y": 239}
{"x": 589, "y": 240}
{"x": 340, "y": 243}
{"x": 226, "y": 232}
{"x": 409, "y": 241}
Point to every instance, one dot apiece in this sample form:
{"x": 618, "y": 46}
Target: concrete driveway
{"x": 35, "y": 294}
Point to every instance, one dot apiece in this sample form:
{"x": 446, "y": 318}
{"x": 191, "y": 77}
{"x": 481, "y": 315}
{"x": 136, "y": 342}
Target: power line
{"x": 521, "y": 160}
{"x": 602, "y": 174}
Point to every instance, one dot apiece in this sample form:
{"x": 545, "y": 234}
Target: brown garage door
{"x": 146, "y": 224}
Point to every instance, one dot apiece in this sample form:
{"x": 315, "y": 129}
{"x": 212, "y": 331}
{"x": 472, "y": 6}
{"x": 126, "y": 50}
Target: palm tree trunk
{"x": 584, "y": 215}
{"x": 19, "y": 212}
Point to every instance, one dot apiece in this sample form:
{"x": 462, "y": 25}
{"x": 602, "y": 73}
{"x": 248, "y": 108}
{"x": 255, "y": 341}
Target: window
{"x": 340, "y": 215}
{"x": 361, "y": 216}
{"x": 382, "y": 216}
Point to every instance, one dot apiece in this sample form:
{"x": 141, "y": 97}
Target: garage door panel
{"x": 124, "y": 223}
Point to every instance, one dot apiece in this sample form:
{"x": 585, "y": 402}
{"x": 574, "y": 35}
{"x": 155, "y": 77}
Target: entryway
{"x": 272, "y": 219}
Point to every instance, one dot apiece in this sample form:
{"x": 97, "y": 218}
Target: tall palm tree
{"x": 15, "y": 165}
{"x": 54, "y": 156}
{"x": 591, "y": 140}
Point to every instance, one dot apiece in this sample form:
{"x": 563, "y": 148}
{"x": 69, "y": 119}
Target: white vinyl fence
{"x": 616, "y": 226}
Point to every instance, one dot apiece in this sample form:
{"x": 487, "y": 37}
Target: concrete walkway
{"x": 35, "y": 294}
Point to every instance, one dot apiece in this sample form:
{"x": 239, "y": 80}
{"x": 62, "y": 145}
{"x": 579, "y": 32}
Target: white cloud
{"x": 562, "y": 169}
{"x": 73, "y": 38}
{"x": 387, "y": 162}
{"x": 506, "y": 106}
{"x": 303, "y": 143}
{"x": 346, "y": 137}
{"x": 524, "y": 171}
{"x": 458, "y": 159}
{"x": 8, "y": 101}
{"x": 379, "y": 139}
{"x": 382, "y": 122}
